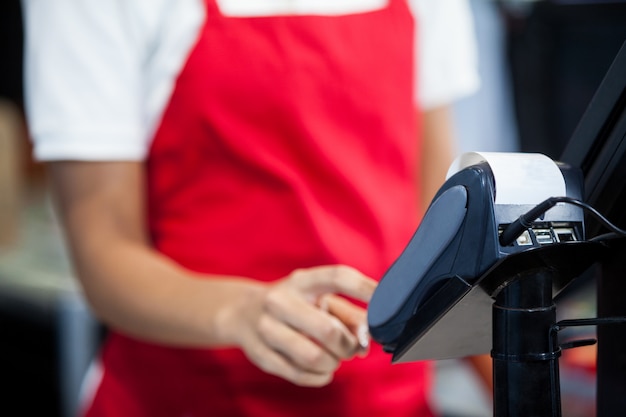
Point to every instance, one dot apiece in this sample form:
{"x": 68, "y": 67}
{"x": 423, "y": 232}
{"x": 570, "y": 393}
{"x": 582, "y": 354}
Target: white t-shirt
{"x": 100, "y": 73}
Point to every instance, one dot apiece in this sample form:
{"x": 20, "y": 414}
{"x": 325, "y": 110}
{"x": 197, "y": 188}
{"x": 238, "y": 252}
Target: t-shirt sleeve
{"x": 446, "y": 52}
{"x": 82, "y": 80}
{"x": 99, "y": 74}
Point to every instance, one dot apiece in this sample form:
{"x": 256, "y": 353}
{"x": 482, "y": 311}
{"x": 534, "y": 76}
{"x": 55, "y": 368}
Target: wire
{"x": 523, "y": 222}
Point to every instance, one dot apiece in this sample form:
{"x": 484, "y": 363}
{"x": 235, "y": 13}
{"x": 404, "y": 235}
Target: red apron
{"x": 289, "y": 141}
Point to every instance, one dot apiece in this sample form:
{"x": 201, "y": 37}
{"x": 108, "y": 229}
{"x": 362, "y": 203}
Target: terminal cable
{"x": 523, "y": 222}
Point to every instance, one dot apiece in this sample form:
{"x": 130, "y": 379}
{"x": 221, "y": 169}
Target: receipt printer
{"x": 459, "y": 236}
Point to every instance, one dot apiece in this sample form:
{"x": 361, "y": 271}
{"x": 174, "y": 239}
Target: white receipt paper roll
{"x": 521, "y": 178}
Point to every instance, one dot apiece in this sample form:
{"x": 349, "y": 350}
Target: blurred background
{"x": 540, "y": 63}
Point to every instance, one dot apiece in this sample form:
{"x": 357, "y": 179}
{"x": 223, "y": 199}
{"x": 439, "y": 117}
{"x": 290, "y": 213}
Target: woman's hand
{"x": 295, "y": 328}
{"x": 298, "y": 329}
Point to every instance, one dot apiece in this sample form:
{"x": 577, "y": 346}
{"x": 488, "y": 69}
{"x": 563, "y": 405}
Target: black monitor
{"x": 598, "y": 147}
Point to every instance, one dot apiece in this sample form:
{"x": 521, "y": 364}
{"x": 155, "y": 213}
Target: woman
{"x": 233, "y": 178}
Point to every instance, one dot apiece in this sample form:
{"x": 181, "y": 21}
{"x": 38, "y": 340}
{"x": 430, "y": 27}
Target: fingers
{"x": 341, "y": 331}
{"x": 287, "y": 332}
{"x": 301, "y": 351}
{"x": 328, "y": 331}
{"x": 276, "y": 363}
{"x": 338, "y": 279}
{"x": 324, "y": 281}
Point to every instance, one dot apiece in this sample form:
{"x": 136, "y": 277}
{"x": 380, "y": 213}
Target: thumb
{"x": 352, "y": 316}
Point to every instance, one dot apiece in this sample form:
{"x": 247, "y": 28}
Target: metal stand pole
{"x": 611, "y": 376}
{"x": 525, "y": 350}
